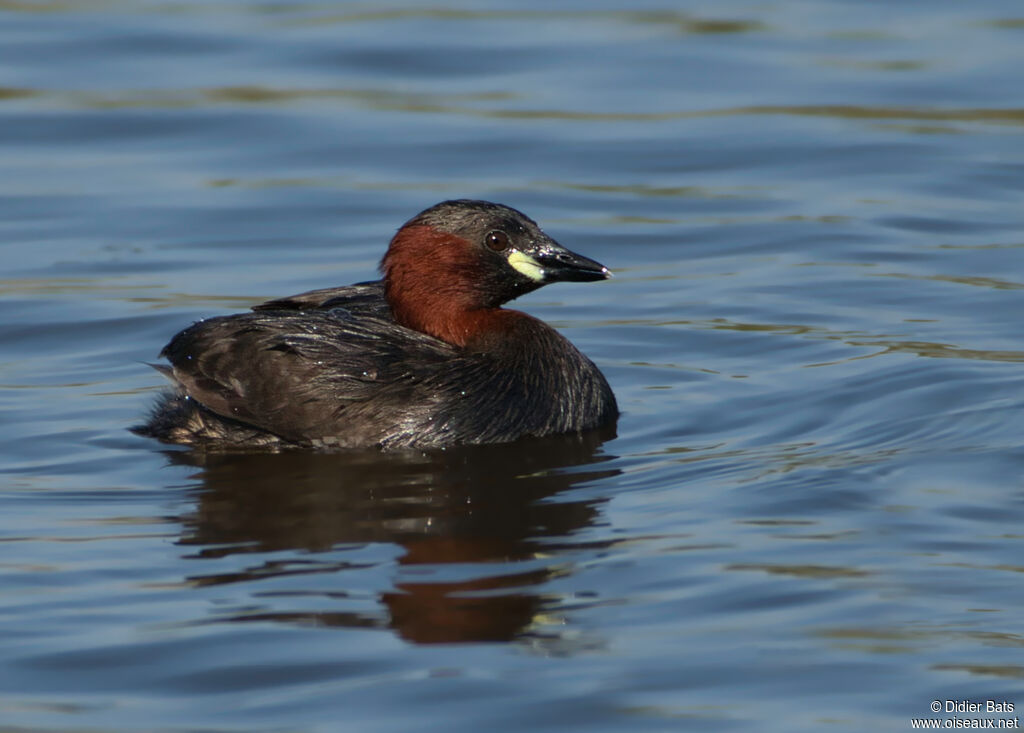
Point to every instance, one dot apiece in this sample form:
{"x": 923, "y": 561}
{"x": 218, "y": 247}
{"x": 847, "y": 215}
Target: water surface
{"x": 810, "y": 515}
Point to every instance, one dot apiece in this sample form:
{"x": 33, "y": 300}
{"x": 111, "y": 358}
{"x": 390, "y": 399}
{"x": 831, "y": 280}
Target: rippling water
{"x": 810, "y": 518}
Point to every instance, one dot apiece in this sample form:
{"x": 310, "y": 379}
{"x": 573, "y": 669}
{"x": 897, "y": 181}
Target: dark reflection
{"x": 480, "y": 505}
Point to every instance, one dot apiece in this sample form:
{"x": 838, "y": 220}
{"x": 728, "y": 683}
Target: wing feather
{"x": 305, "y": 375}
{"x": 364, "y": 298}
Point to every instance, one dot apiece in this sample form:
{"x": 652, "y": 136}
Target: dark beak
{"x": 561, "y": 265}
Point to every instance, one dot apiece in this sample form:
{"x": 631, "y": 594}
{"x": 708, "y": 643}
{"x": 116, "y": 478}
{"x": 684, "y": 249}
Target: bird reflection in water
{"x": 488, "y": 506}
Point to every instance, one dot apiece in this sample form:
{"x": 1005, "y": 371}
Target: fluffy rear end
{"x": 177, "y": 419}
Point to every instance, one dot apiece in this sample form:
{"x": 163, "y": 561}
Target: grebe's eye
{"x": 497, "y": 241}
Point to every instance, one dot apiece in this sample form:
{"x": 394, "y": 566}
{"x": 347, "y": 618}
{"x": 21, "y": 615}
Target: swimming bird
{"x": 424, "y": 358}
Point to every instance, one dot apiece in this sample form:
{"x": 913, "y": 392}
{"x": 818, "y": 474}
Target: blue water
{"x": 810, "y": 517}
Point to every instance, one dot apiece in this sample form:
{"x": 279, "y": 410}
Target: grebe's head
{"x": 464, "y": 255}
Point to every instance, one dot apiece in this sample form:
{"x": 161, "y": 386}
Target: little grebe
{"x": 424, "y": 358}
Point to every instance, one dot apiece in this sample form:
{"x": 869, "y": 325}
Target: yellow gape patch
{"x": 526, "y": 265}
